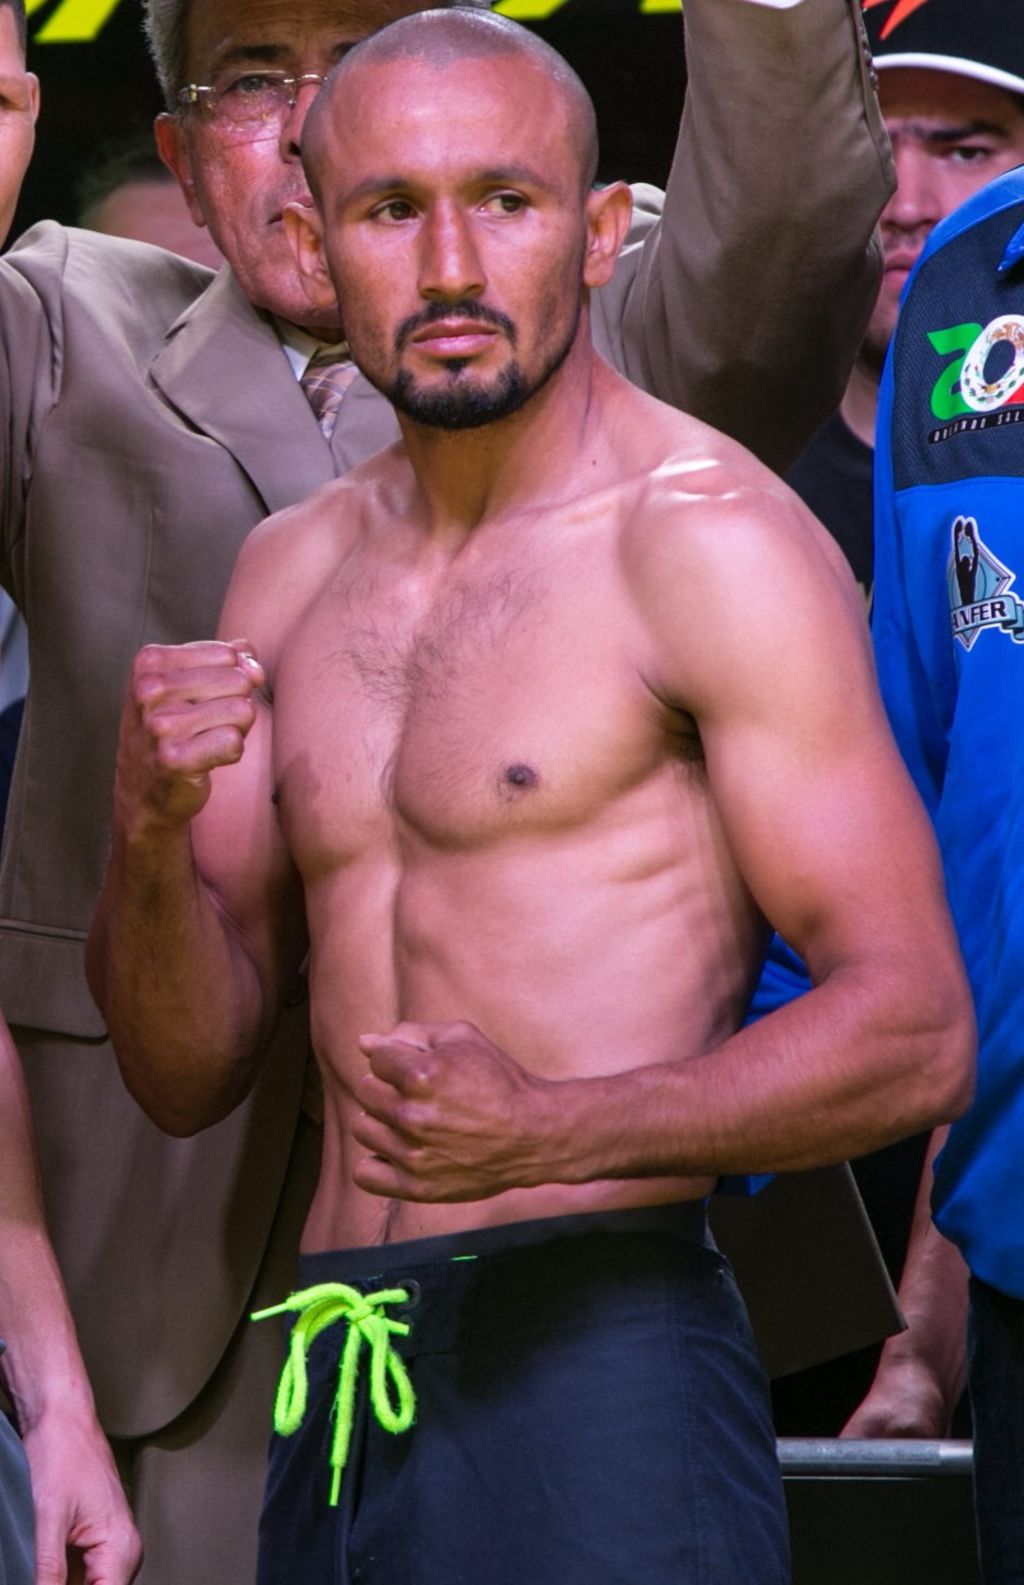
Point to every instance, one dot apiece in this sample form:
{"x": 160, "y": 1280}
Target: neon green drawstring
{"x": 317, "y": 1308}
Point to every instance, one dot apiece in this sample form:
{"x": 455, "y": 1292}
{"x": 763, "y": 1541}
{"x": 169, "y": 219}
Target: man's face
{"x": 19, "y": 106}
{"x": 455, "y": 231}
{"x": 238, "y": 186}
{"x": 950, "y": 135}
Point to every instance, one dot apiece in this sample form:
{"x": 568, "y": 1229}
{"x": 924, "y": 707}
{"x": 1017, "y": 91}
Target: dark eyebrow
{"x": 956, "y": 134}
{"x": 373, "y": 186}
{"x": 516, "y": 176}
{"x": 505, "y": 176}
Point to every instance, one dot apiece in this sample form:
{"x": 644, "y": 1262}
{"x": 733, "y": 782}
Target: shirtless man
{"x": 538, "y": 716}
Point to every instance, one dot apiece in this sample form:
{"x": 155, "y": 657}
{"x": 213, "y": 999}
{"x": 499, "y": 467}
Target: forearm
{"x": 77, "y": 1497}
{"x": 857, "y": 1062}
{"x": 842, "y": 1070}
{"x": 42, "y": 1366}
{"x": 750, "y": 305}
{"x": 921, "y": 1371}
{"x": 181, "y": 997}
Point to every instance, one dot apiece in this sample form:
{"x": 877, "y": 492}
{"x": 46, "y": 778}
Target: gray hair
{"x": 164, "y": 21}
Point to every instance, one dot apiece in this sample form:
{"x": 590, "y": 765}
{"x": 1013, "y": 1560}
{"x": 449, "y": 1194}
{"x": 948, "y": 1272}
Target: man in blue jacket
{"x": 949, "y": 626}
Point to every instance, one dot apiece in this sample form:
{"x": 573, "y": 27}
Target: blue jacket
{"x": 949, "y": 639}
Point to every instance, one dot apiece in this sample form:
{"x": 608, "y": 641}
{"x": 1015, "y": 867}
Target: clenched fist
{"x": 449, "y": 1116}
{"x": 187, "y": 710}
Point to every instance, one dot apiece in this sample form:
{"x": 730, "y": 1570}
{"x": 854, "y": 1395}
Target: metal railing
{"x": 903, "y": 1459}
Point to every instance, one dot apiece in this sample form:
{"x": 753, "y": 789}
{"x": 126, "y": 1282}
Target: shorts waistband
{"x": 684, "y": 1219}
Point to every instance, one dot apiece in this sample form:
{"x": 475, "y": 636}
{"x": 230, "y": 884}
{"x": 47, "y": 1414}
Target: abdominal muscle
{"x": 617, "y": 978}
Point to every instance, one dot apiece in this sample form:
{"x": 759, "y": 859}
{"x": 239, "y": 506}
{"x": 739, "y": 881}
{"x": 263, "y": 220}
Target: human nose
{"x": 304, "y": 90}
{"x": 917, "y": 200}
{"x": 450, "y": 264}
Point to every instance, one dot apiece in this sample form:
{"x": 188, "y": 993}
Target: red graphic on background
{"x": 904, "y": 9}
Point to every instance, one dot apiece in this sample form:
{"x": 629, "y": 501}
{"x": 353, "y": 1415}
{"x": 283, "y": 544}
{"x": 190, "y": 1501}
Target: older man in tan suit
{"x": 151, "y": 416}
{"x": 58, "y": 1486}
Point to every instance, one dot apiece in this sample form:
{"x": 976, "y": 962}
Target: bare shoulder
{"x": 709, "y": 512}
{"x": 725, "y": 564}
{"x": 289, "y": 558}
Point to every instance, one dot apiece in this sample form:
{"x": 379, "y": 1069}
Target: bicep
{"x": 824, "y": 826}
{"x": 818, "y": 810}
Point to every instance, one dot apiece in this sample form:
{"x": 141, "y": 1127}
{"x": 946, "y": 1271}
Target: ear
{"x": 172, "y": 147}
{"x": 33, "y": 95}
{"x": 304, "y": 229}
{"x": 608, "y": 211}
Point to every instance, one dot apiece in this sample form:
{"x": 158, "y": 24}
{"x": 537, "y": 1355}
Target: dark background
{"x": 101, "y": 90}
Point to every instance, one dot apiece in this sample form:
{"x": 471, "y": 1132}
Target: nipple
{"x": 518, "y": 778}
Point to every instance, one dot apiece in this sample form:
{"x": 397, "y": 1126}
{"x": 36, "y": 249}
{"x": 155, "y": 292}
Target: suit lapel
{"x": 365, "y": 424}
{"x": 223, "y": 369}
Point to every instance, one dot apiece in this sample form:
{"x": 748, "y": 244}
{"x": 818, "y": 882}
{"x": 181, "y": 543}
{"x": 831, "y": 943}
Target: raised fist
{"x": 187, "y": 710}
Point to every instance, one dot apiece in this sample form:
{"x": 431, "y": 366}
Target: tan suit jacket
{"x": 148, "y": 420}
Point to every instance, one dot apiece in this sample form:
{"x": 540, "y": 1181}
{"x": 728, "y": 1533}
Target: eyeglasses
{"x": 249, "y": 103}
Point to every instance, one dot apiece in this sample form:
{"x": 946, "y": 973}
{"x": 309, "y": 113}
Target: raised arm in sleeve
{"x": 746, "y": 303}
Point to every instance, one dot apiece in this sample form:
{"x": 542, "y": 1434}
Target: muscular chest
{"x": 505, "y": 700}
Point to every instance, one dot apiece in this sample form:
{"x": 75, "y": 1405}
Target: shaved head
{"x": 442, "y": 38}
{"x": 452, "y": 156}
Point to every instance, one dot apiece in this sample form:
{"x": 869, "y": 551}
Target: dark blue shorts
{"x": 17, "y": 1545}
{"x": 590, "y": 1411}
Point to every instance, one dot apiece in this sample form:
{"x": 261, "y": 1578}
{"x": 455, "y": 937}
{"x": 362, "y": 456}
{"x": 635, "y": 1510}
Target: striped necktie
{"x": 327, "y": 377}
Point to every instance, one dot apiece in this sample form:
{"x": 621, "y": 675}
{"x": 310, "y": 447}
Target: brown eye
{"x": 394, "y": 209}
{"x": 505, "y": 203}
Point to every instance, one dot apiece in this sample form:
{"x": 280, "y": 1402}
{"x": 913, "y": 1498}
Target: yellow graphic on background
{"x": 74, "y": 21}
{"x": 78, "y": 21}
{"x": 528, "y": 10}
{"x": 537, "y": 10}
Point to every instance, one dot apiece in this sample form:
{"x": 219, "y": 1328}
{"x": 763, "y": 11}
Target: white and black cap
{"x": 983, "y": 39}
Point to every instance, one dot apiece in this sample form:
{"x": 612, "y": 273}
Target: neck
{"x": 859, "y": 406}
{"x": 515, "y": 464}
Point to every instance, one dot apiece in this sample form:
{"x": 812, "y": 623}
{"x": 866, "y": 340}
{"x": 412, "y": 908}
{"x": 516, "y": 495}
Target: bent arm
{"x": 835, "y": 847}
{"x": 188, "y": 954}
{"x": 77, "y": 1496}
{"x": 746, "y": 305}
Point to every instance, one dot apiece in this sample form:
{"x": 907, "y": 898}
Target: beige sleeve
{"x": 746, "y": 302}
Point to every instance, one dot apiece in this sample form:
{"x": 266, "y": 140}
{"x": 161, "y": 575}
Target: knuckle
{"x": 162, "y": 726}
{"x": 171, "y": 753}
{"x": 232, "y": 743}
{"x": 424, "y": 1071}
{"x": 149, "y": 687}
{"x": 414, "y": 1117}
{"x": 150, "y": 657}
{"x": 415, "y": 1160}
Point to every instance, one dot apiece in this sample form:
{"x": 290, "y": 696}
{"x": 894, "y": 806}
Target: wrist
{"x": 49, "y": 1393}
{"x": 909, "y": 1354}
{"x": 142, "y": 828}
{"x": 570, "y": 1137}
